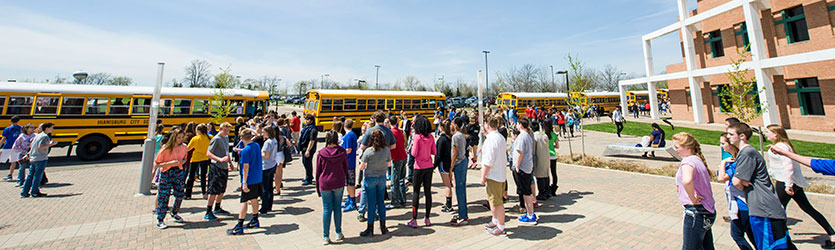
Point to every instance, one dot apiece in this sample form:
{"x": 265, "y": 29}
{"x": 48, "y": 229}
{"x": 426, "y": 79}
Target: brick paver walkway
{"x": 92, "y": 206}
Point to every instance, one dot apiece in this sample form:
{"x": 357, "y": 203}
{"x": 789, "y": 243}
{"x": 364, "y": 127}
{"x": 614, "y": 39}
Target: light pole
{"x": 377, "y": 80}
{"x": 552, "y": 77}
{"x": 568, "y": 93}
{"x": 486, "y": 73}
{"x": 145, "y": 173}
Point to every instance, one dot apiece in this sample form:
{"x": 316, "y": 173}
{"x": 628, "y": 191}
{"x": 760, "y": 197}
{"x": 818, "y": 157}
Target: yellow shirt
{"x": 200, "y": 144}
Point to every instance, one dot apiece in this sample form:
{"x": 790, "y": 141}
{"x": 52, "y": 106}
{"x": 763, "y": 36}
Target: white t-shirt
{"x": 783, "y": 169}
{"x": 494, "y": 154}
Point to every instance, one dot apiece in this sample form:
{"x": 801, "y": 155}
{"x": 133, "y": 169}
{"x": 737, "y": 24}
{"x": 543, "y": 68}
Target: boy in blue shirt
{"x": 10, "y": 134}
{"x": 349, "y": 143}
{"x": 250, "y": 168}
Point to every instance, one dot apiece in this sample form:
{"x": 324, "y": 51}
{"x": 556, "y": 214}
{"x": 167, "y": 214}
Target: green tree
{"x": 220, "y": 108}
{"x": 580, "y": 79}
{"x": 740, "y": 96}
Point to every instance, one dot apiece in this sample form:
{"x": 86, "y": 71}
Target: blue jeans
{"x": 308, "y": 166}
{"x": 21, "y": 171}
{"x": 330, "y": 203}
{"x": 33, "y": 180}
{"x": 459, "y": 171}
{"x": 363, "y": 198}
{"x": 398, "y": 190}
{"x": 375, "y": 187}
{"x": 697, "y": 228}
{"x": 739, "y": 228}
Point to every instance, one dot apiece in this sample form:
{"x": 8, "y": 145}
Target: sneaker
{"x": 496, "y": 231}
{"x": 326, "y": 241}
{"x": 458, "y": 222}
{"x": 427, "y": 222}
{"x": 305, "y": 183}
{"x": 446, "y": 209}
{"x": 210, "y": 217}
{"x": 340, "y": 237}
{"x": 24, "y": 196}
{"x": 253, "y": 224}
{"x": 361, "y": 218}
{"x": 828, "y": 245}
{"x": 161, "y": 225}
{"x": 18, "y": 185}
{"x": 220, "y": 211}
{"x": 235, "y": 231}
{"x": 389, "y": 206}
{"x": 38, "y": 195}
{"x": 412, "y": 223}
{"x": 528, "y": 219}
{"x": 238, "y": 190}
{"x": 349, "y": 208}
{"x": 7, "y": 178}
{"x": 346, "y": 203}
{"x": 489, "y": 225}
{"x": 177, "y": 218}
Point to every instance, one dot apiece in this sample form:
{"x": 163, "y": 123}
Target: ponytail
{"x": 687, "y": 140}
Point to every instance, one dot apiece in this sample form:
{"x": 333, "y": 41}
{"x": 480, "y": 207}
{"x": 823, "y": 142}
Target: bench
{"x": 622, "y": 149}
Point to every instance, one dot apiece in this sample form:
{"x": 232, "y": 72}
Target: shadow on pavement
{"x": 296, "y": 210}
{"x": 281, "y": 228}
{"x": 532, "y": 233}
{"x": 286, "y": 201}
{"x": 818, "y": 238}
{"x": 113, "y": 157}
{"x": 62, "y": 195}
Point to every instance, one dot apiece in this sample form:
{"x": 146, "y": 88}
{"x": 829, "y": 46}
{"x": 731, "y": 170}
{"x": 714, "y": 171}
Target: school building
{"x": 790, "y": 50}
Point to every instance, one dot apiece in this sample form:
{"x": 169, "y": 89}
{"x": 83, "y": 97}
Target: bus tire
{"x": 92, "y": 148}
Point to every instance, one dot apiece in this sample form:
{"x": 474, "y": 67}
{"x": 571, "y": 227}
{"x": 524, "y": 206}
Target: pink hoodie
{"x": 423, "y": 148}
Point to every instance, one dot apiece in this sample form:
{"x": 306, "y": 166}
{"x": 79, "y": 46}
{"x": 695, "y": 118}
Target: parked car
{"x": 456, "y": 102}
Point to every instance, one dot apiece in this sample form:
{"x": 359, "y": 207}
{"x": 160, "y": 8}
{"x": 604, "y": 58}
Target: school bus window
{"x": 337, "y": 104}
{"x": 327, "y": 104}
{"x": 119, "y": 106}
{"x": 96, "y": 106}
{"x": 20, "y": 105}
{"x": 47, "y": 105}
{"x": 237, "y": 106}
{"x": 201, "y": 106}
{"x": 350, "y": 104}
{"x": 72, "y": 106}
{"x": 141, "y": 106}
{"x": 360, "y": 104}
{"x": 182, "y": 106}
{"x": 2, "y": 103}
{"x": 398, "y": 104}
{"x": 164, "y": 107}
{"x": 372, "y": 105}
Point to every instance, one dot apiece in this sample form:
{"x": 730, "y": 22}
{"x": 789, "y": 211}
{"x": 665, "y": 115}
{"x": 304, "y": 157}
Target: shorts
{"x": 351, "y": 177}
{"x": 9, "y": 155}
{"x": 523, "y": 182}
{"x": 254, "y": 192}
{"x": 296, "y": 136}
{"x": 217, "y": 179}
{"x": 495, "y": 192}
{"x": 444, "y": 167}
{"x": 279, "y": 158}
{"x": 770, "y": 233}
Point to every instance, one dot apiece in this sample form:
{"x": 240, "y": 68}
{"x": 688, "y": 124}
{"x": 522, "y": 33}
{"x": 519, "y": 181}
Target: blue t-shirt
{"x": 252, "y": 155}
{"x": 730, "y": 169}
{"x": 451, "y": 116}
{"x": 725, "y": 154}
{"x": 350, "y": 141}
{"x": 823, "y": 166}
{"x": 658, "y": 139}
{"x": 11, "y": 133}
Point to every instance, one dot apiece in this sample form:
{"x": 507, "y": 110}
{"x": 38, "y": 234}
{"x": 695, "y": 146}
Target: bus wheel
{"x": 92, "y": 148}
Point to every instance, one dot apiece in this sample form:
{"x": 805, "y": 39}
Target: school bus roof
{"x": 537, "y": 95}
{"x": 602, "y": 94}
{"x": 21, "y": 87}
{"x": 355, "y": 92}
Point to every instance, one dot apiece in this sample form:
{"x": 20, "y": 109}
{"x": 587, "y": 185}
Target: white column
{"x": 758, "y": 52}
{"x": 622, "y": 91}
{"x": 653, "y": 97}
{"x": 690, "y": 61}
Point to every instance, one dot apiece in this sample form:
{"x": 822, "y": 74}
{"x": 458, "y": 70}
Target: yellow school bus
{"x": 642, "y": 96}
{"x": 519, "y": 101}
{"x": 358, "y": 105}
{"x": 97, "y": 118}
{"x": 663, "y": 94}
{"x": 606, "y": 100}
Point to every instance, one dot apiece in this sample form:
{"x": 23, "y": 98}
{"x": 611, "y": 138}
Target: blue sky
{"x": 301, "y": 40}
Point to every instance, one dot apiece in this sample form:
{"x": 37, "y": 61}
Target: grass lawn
{"x": 709, "y": 137}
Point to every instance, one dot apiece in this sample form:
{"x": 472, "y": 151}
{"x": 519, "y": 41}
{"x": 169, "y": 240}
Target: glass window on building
{"x": 714, "y": 41}
{"x": 809, "y": 96}
{"x": 743, "y": 32}
{"x": 794, "y": 21}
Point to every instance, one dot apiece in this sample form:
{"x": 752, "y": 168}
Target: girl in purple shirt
{"x": 694, "y": 193}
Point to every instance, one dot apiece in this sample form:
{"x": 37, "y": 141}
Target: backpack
{"x": 283, "y": 148}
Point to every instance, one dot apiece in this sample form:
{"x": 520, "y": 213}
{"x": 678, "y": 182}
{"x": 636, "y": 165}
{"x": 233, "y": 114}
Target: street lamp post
{"x": 486, "y": 73}
{"x": 377, "y": 80}
{"x": 322, "y": 84}
{"x": 148, "y": 148}
{"x": 568, "y": 103}
{"x": 552, "y": 77}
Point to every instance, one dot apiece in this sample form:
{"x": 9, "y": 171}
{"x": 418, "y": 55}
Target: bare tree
{"x": 609, "y": 77}
{"x": 411, "y": 83}
{"x": 176, "y": 84}
{"x": 270, "y": 83}
{"x": 120, "y": 81}
{"x": 95, "y": 79}
{"x": 198, "y": 74}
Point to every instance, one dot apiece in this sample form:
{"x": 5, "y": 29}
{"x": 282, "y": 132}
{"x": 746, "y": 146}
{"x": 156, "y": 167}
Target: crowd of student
{"x": 403, "y": 150}
{"x": 756, "y": 205}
